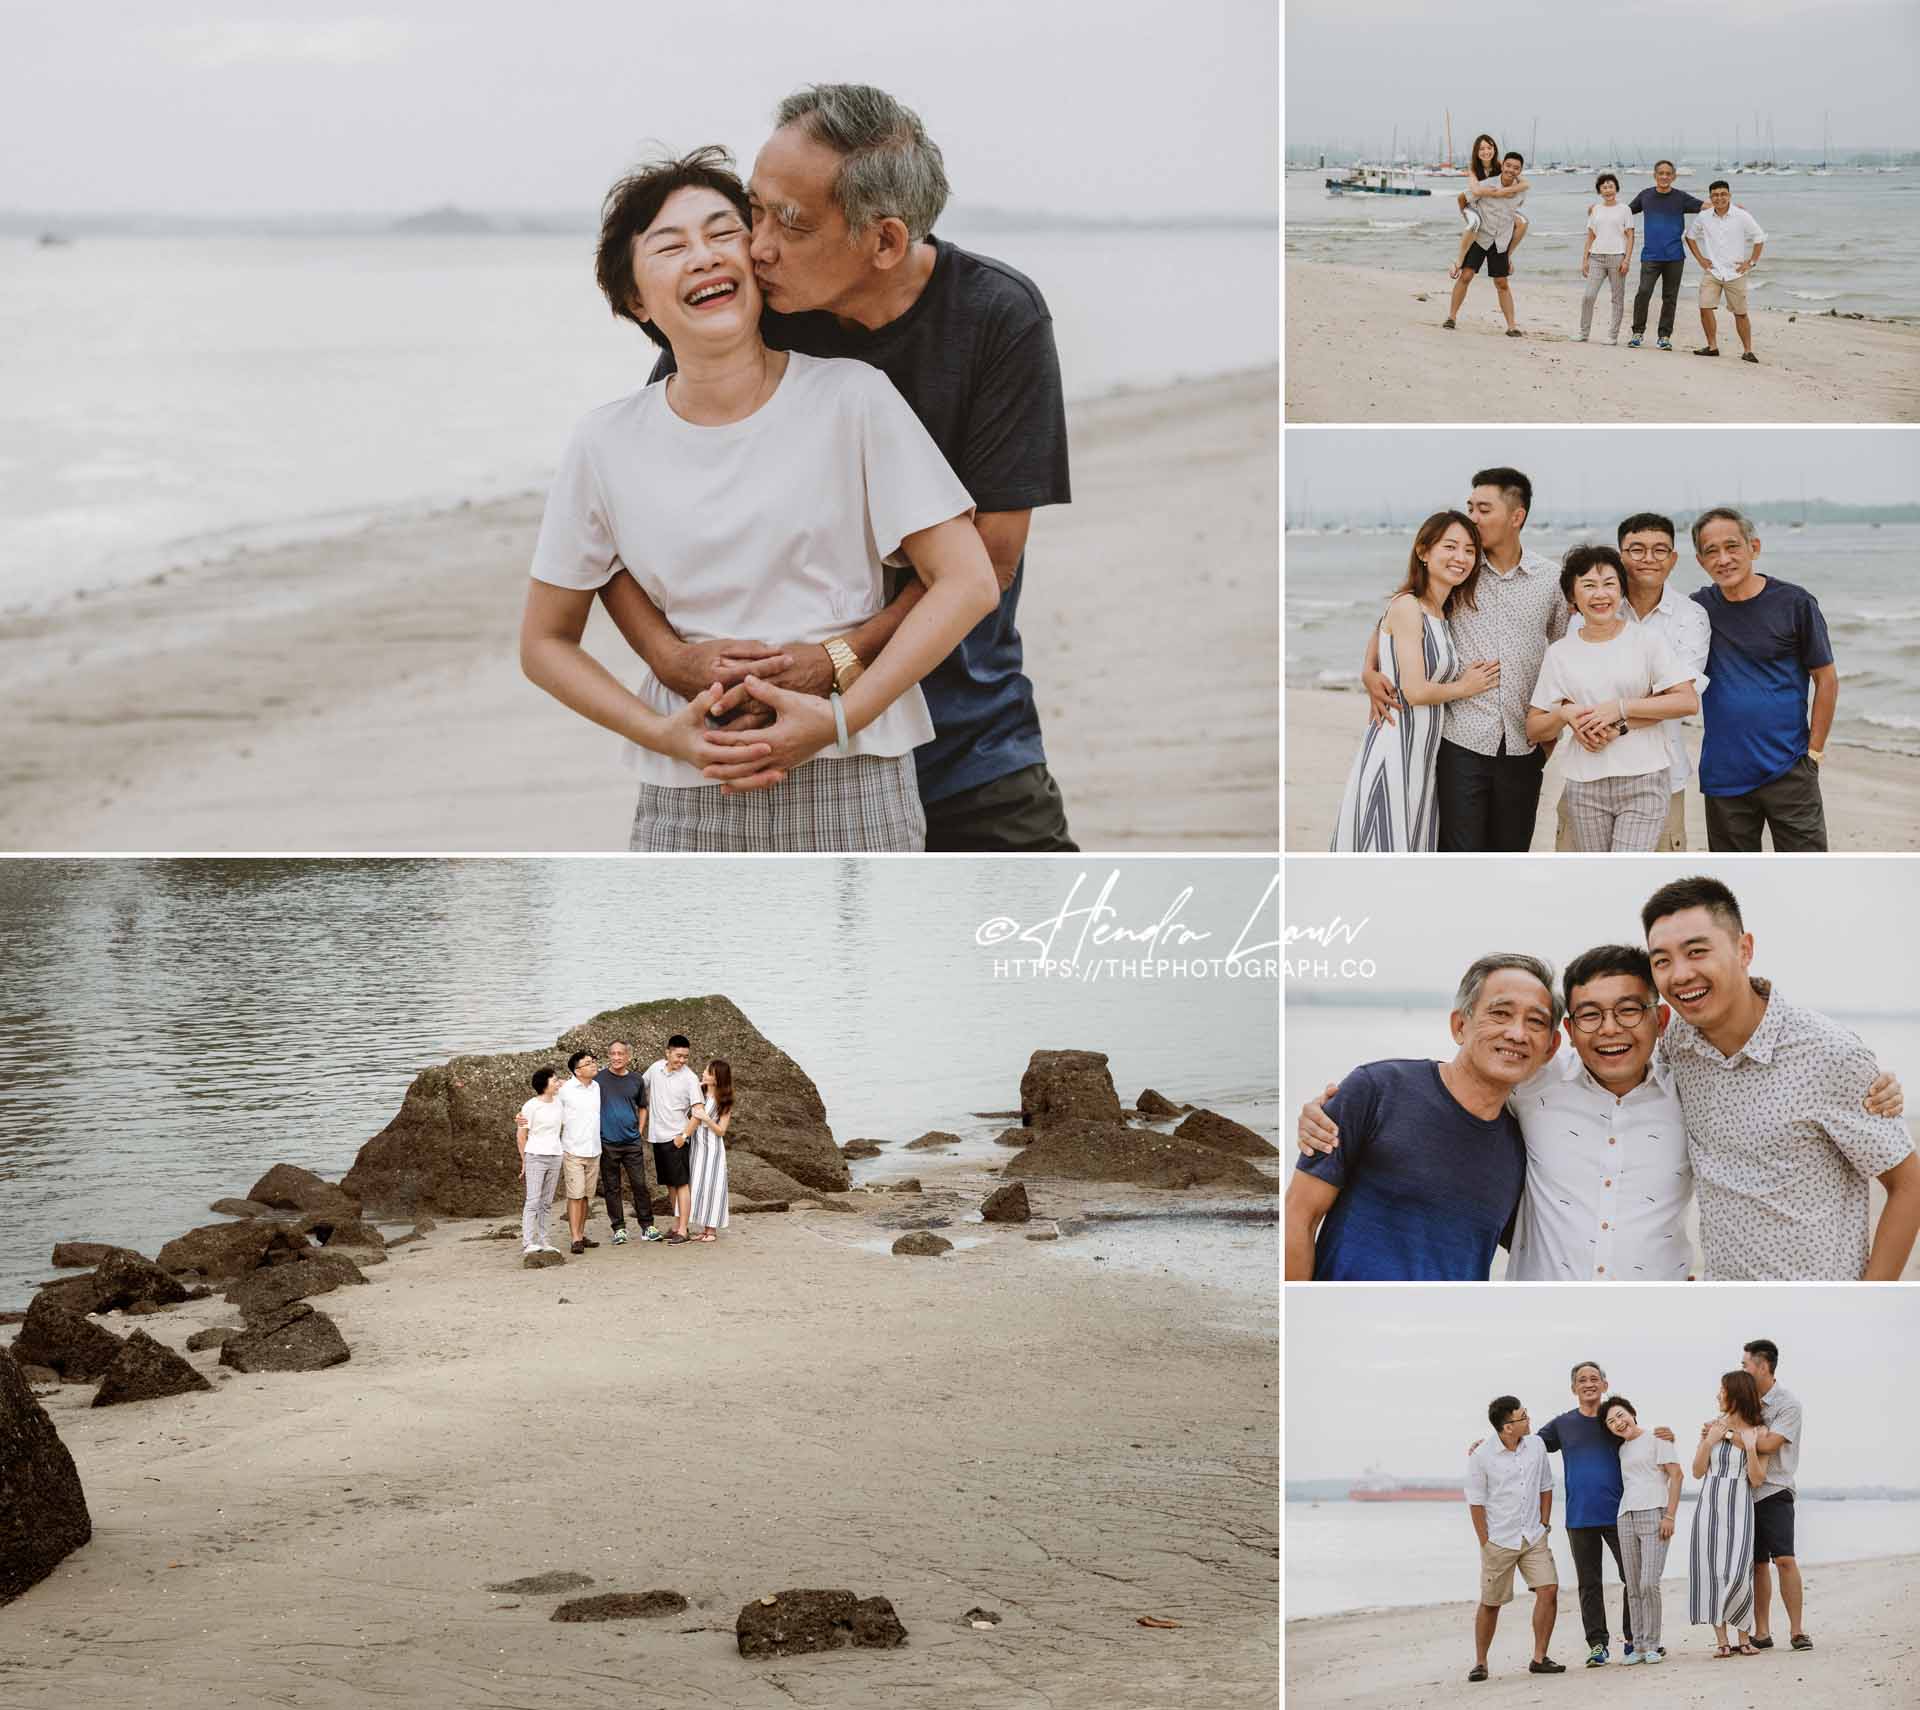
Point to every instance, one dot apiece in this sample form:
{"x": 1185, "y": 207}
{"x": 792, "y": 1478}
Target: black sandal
{"x": 1801, "y": 1642}
{"x": 1477, "y": 1672}
{"x": 1748, "y": 356}
{"x": 1760, "y": 1644}
{"x": 1448, "y": 324}
{"x": 1514, "y": 332}
{"x": 1708, "y": 350}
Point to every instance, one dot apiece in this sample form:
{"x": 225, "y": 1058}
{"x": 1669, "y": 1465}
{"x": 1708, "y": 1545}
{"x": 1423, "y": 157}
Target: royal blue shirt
{"x": 1764, "y": 653}
{"x": 1591, "y": 1455}
{"x": 622, "y": 1098}
{"x": 1663, "y": 220}
{"x": 1427, "y": 1189}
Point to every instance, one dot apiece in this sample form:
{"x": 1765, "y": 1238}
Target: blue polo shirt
{"x": 1427, "y": 1189}
{"x": 1760, "y": 667}
{"x": 1663, "y": 221}
{"x": 622, "y": 1098}
{"x": 1591, "y": 1455}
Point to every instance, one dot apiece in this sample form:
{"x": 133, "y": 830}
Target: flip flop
{"x": 1723, "y": 1651}
{"x": 1747, "y": 1651}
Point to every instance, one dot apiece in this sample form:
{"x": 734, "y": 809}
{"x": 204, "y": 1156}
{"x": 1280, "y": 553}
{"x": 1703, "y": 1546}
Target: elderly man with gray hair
{"x": 1760, "y": 755}
{"x": 845, "y": 194}
{"x": 1431, "y": 1162}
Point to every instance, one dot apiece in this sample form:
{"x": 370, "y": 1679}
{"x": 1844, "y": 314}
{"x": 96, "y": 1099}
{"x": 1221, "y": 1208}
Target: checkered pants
{"x": 1643, "y": 1559}
{"x": 1618, "y": 814}
{"x": 864, "y": 804}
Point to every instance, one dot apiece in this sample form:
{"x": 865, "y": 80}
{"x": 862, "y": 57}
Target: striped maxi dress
{"x": 1391, "y": 803}
{"x": 1720, "y": 1565}
{"x": 707, "y": 1172}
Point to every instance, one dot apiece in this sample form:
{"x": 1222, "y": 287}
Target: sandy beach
{"x": 1872, "y": 800}
{"x": 363, "y": 693}
{"x": 1399, "y": 1657}
{"x": 1366, "y": 345}
{"x": 1011, "y": 1426}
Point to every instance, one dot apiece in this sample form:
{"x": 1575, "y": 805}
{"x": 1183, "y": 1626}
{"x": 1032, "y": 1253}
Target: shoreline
{"x": 1872, "y": 797}
{"x": 1365, "y": 344}
{"x": 361, "y": 694}
{"x": 1104, "y": 1449}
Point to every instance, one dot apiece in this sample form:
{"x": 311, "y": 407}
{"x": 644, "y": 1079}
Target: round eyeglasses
{"x": 1628, "y": 1015}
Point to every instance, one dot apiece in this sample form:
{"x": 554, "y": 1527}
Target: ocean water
{"x": 1863, "y": 577}
{"x": 163, "y": 400}
{"x": 170, "y": 1029}
{"x": 1388, "y": 1555}
{"x": 1849, "y": 243}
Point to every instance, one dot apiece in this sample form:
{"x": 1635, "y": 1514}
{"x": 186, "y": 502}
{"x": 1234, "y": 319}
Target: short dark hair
{"x": 1604, "y": 959}
{"x": 1584, "y": 558}
{"x": 1765, "y": 1350}
{"x": 577, "y": 1059}
{"x": 541, "y": 1079}
{"x": 1697, "y": 892}
{"x": 1515, "y": 155}
{"x": 1719, "y": 184}
{"x": 1660, "y": 163}
{"x": 680, "y": 1042}
{"x": 1573, "y": 1375}
{"x": 1518, "y": 489}
{"x": 634, "y": 204}
{"x": 1644, "y": 522}
{"x": 1502, "y": 1408}
{"x": 1614, "y": 1401}
{"x": 1606, "y": 178}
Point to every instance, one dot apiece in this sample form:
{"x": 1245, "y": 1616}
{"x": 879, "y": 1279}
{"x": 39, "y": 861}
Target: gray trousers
{"x": 1643, "y": 1559}
{"x": 543, "y": 1179}
{"x": 1601, "y": 270}
{"x": 1617, "y": 814}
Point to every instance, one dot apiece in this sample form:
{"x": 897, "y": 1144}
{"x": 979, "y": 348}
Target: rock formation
{"x": 793, "y": 1622}
{"x": 1007, "y": 1204}
{"x": 43, "y": 1511}
{"x": 1223, "y": 1134}
{"x": 295, "y": 1339}
{"x": 220, "y": 1250}
{"x": 922, "y": 1244}
{"x": 144, "y": 1370}
{"x": 71, "y": 1343}
{"x": 1109, "y": 1152}
{"x": 1067, "y": 1086}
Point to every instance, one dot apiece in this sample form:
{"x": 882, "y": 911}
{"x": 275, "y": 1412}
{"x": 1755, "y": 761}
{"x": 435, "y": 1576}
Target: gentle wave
{"x": 1815, "y": 296}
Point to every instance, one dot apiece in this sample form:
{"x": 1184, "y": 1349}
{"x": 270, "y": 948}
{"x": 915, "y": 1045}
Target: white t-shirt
{"x": 544, "y": 1117}
{"x": 1643, "y": 1484}
{"x": 1635, "y": 663}
{"x": 1609, "y": 227}
{"x": 580, "y": 1118}
{"x": 671, "y": 1095}
{"x": 776, "y": 526}
{"x": 1728, "y": 241}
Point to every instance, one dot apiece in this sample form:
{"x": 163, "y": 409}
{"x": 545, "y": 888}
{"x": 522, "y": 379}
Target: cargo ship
{"x": 1377, "y": 181}
{"x": 1378, "y": 1487}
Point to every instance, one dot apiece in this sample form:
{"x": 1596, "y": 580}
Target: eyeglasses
{"x": 1628, "y": 1015}
{"x": 1639, "y": 554}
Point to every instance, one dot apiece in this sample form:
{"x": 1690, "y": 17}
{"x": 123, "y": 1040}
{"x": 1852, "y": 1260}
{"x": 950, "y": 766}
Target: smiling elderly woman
{"x": 753, "y": 491}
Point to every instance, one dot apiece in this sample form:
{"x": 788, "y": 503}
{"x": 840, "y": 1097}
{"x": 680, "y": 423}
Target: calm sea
{"x": 1850, "y": 242}
{"x": 163, "y": 400}
{"x": 1336, "y": 585}
{"x": 1387, "y": 1555}
{"x": 170, "y": 1029}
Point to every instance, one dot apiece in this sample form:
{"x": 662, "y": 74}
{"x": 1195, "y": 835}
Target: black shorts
{"x": 1499, "y": 262}
{"x": 1773, "y": 1527}
{"x": 672, "y": 1165}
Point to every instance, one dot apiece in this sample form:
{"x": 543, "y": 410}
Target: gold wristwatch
{"x": 846, "y": 663}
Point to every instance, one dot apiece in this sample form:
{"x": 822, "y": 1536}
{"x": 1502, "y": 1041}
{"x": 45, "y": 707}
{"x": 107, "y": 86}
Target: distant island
{"x": 447, "y": 221}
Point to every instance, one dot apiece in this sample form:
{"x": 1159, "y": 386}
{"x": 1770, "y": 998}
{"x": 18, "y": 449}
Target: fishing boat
{"x": 1377, "y": 181}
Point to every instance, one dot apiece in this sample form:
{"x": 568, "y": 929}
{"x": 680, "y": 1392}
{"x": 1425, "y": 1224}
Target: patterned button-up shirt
{"x": 1784, "y": 1152}
{"x": 1683, "y": 624}
{"x": 1516, "y": 617}
{"x": 1608, "y": 1179}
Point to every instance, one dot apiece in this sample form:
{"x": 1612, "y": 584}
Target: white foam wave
{"x": 1891, "y": 721}
{"x": 1814, "y": 296}
{"x": 1336, "y": 679}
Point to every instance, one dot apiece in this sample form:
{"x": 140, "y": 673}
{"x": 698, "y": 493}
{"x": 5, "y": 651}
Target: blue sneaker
{"x": 1597, "y": 1657}
{"x": 1634, "y": 342}
{"x": 651, "y": 1234}
{"x": 1666, "y": 344}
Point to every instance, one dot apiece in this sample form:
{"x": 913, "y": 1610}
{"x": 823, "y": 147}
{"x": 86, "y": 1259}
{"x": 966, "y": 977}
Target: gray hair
{"x": 890, "y": 167}
{"x": 1721, "y": 513}
{"x": 1582, "y": 1366}
{"x": 1476, "y": 977}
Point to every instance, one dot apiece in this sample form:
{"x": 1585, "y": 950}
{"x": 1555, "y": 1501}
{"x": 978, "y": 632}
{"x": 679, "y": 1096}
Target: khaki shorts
{"x": 579, "y": 1176}
{"x": 1673, "y": 836}
{"x": 1735, "y": 291}
{"x": 1535, "y": 1563}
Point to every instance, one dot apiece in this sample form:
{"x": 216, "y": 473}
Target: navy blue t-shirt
{"x": 622, "y": 1098}
{"x": 975, "y": 360}
{"x": 1427, "y": 1189}
{"x": 1663, "y": 217}
{"x": 1592, "y": 1457}
{"x": 1760, "y": 666}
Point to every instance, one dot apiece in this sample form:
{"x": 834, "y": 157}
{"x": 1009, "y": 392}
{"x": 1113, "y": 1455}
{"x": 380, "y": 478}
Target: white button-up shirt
{"x": 1608, "y": 1179}
{"x": 579, "y": 1103}
{"x": 1507, "y": 1483}
{"x": 1515, "y": 617}
{"x": 1682, "y": 623}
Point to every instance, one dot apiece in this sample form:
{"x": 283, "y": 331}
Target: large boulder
{"x": 267, "y": 1292}
{"x": 287, "y": 1187}
{"x": 295, "y": 1339}
{"x": 752, "y": 1177}
{"x": 1067, "y": 1086}
{"x": 43, "y": 1511}
{"x": 449, "y": 1149}
{"x": 71, "y": 1343}
{"x": 243, "y": 1208}
{"x": 1222, "y": 1134}
{"x": 792, "y": 1622}
{"x": 932, "y": 1141}
{"x": 335, "y": 1231}
{"x": 124, "y": 1278}
{"x": 70, "y": 1294}
{"x": 1151, "y": 1103}
{"x": 1007, "y": 1204}
{"x": 145, "y": 1370}
{"x": 219, "y": 1250}
{"x": 72, "y": 1255}
{"x": 1109, "y": 1152}
{"x": 922, "y": 1244}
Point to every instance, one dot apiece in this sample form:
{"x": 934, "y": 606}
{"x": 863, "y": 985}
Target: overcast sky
{"x": 1146, "y": 106}
{"x": 1401, "y": 1378}
{"x": 1644, "y": 72}
{"x": 1823, "y": 930}
{"x": 1611, "y": 474}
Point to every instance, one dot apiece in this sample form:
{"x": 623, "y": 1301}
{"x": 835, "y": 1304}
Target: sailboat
{"x": 1823, "y": 170}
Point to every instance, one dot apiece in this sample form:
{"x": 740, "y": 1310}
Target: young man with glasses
{"x": 1646, "y": 545}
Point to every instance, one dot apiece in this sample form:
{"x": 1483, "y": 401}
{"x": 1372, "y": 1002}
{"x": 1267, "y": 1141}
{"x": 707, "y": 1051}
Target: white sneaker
{"x": 1653, "y": 1656}
{"x": 528, "y": 1252}
{"x": 1472, "y": 216}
